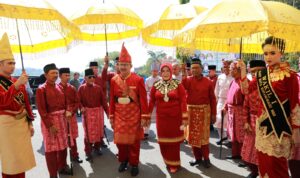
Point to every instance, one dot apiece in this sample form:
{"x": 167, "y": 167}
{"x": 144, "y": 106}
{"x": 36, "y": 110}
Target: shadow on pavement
{"x": 214, "y": 171}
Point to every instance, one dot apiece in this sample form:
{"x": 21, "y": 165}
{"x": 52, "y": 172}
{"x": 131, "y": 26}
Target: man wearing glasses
{"x": 92, "y": 104}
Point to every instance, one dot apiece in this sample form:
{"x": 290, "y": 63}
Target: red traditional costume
{"x": 100, "y": 80}
{"x": 94, "y": 102}
{"x": 294, "y": 162}
{"x": 128, "y": 105}
{"x": 274, "y": 137}
{"x": 51, "y": 104}
{"x": 201, "y": 102}
{"x": 213, "y": 80}
{"x": 169, "y": 97}
{"x": 16, "y": 154}
{"x": 73, "y": 104}
{"x": 250, "y": 108}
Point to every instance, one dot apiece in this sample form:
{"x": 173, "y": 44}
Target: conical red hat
{"x": 124, "y": 55}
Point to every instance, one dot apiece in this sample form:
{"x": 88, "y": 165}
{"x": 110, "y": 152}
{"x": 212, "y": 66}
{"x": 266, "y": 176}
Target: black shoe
{"x": 228, "y": 144}
{"x": 220, "y": 141}
{"x": 77, "y": 160}
{"x": 123, "y": 167}
{"x": 134, "y": 171}
{"x": 146, "y": 136}
{"x": 233, "y": 157}
{"x": 195, "y": 162}
{"x": 185, "y": 141}
{"x": 66, "y": 171}
{"x": 53, "y": 176}
{"x": 103, "y": 145}
{"x": 98, "y": 152}
{"x": 242, "y": 164}
{"x": 206, "y": 163}
{"x": 252, "y": 175}
{"x": 89, "y": 157}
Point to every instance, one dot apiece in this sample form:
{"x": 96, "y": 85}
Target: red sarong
{"x": 93, "y": 119}
{"x": 127, "y": 123}
{"x": 199, "y": 125}
{"x": 59, "y": 141}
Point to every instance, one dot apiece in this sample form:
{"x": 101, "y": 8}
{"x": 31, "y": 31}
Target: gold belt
{"x": 198, "y": 106}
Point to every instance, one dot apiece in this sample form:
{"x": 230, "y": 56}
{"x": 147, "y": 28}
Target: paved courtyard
{"x": 151, "y": 162}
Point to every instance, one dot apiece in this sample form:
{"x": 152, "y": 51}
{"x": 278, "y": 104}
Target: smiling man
{"x": 128, "y": 112}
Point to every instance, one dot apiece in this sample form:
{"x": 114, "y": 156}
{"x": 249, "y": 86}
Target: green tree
{"x": 184, "y": 1}
{"x": 154, "y": 56}
{"x": 292, "y": 59}
{"x": 112, "y": 56}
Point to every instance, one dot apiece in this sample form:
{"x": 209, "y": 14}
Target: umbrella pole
{"x": 105, "y": 39}
{"x": 105, "y": 34}
{"x": 20, "y": 47}
{"x": 241, "y": 46}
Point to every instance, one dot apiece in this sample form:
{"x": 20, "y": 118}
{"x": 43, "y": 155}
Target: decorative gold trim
{"x": 184, "y": 114}
{"x": 172, "y": 163}
{"x": 198, "y": 106}
{"x": 269, "y": 144}
{"x": 166, "y": 86}
{"x": 171, "y": 140}
{"x": 280, "y": 72}
{"x": 145, "y": 115}
{"x": 295, "y": 116}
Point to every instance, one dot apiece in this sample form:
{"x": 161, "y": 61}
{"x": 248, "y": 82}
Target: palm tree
{"x": 156, "y": 55}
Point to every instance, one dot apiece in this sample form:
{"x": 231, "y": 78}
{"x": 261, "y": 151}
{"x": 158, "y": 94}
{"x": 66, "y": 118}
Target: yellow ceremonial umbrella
{"x": 35, "y": 26}
{"x": 173, "y": 19}
{"x": 242, "y": 26}
{"x": 106, "y": 21}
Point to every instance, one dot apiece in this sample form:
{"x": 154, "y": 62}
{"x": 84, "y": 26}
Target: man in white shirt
{"x": 148, "y": 84}
{"x": 221, "y": 90}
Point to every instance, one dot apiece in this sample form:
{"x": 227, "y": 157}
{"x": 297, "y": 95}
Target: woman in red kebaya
{"x": 169, "y": 96}
{"x": 277, "y": 127}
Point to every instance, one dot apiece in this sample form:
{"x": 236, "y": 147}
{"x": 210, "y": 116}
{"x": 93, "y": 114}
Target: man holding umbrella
{"x": 15, "y": 118}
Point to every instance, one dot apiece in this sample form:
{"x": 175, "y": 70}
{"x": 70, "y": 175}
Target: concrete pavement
{"x": 151, "y": 162}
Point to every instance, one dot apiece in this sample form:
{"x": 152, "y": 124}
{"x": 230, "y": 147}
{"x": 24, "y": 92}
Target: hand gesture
{"x": 106, "y": 59}
{"x": 53, "y": 130}
{"x": 247, "y": 128}
{"x": 22, "y": 80}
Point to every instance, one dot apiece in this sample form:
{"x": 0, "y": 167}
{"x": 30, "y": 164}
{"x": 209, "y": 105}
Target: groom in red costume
{"x": 128, "y": 112}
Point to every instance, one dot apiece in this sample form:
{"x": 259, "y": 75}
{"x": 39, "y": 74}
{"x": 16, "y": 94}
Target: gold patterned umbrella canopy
{"x": 35, "y": 26}
{"x": 222, "y": 27}
{"x": 107, "y": 22}
{"x": 173, "y": 19}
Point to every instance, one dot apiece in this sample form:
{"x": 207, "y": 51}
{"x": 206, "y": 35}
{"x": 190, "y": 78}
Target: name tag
{"x": 123, "y": 100}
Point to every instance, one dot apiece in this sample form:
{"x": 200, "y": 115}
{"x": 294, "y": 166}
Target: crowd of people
{"x": 258, "y": 117}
